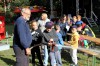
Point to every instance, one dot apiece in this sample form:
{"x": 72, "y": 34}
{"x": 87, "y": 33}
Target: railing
{"x": 89, "y": 52}
{"x": 93, "y": 16}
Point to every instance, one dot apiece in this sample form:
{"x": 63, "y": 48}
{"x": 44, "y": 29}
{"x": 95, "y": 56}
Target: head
{"x": 79, "y": 17}
{"x": 57, "y": 28}
{"x": 63, "y": 18}
{"x": 49, "y": 26}
{"x": 34, "y": 25}
{"x": 74, "y": 29}
{"x": 44, "y": 16}
{"x": 26, "y": 13}
{"x": 79, "y": 27}
{"x": 68, "y": 20}
{"x": 74, "y": 18}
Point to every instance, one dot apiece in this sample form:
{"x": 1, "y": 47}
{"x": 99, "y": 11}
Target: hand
{"x": 53, "y": 44}
{"x": 50, "y": 44}
{"x": 28, "y": 51}
{"x": 68, "y": 42}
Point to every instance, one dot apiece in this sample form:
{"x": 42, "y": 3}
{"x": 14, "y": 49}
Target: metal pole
{"x": 51, "y": 6}
{"x": 5, "y": 6}
{"x": 91, "y": 8}
{"x": 61, "y": 7}
{"x": 77, "y": 7}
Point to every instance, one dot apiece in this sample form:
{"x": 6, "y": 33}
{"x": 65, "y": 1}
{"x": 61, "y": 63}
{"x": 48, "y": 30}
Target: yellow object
{"x": 74, "y": 40}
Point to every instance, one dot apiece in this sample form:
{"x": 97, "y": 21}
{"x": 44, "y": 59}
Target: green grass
{"x": 7, "y": 57}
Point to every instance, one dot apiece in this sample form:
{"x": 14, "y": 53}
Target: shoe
{"x": 33, "y": 64}
{"x": 72, "y": 65}
{"x": 45, "y": 65}
{"x": 76, "y": 65}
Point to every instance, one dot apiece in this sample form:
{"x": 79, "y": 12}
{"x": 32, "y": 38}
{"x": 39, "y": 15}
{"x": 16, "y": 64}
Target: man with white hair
{"x": 44, "y": 19}
{"x": 22, "y": 38}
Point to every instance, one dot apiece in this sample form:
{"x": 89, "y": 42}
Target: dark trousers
{"x": 64, "y": 37}
{"x": 21, "y": 57}
{"x": 37, "y": 50}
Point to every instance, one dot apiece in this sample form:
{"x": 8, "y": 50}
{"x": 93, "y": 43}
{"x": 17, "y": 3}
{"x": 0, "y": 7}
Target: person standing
{"x": 22, "y": 38}
{"x": 51, "y": 39}
{"x": 64, "y": 26}
{"x": 74, "y": 44}
{"x": 44, "y": 19}
{"x": 37, "y": 36}
{"x": 60, "y": 39}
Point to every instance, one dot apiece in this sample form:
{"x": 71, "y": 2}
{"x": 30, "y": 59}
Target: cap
{"x": 74, "y": 26}
{"x": 49, "y": 24}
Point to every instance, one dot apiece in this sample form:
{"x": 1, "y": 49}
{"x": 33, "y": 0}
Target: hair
{"x": 33, "y": 21}
{"x": 79, "y": 16}
{"x": 74, "y": 17}
{"x": 56, "y": 27}
{"x": 45, "y": 14}
{"x": 24, "y": 9}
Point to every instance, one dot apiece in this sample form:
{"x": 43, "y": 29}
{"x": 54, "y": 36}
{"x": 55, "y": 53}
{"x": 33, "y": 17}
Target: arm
{"x": 22, "y": 35}
{"x": 76, "y": 38}
{"x": 44, "y": 42}
{"x": 60, "y": 39}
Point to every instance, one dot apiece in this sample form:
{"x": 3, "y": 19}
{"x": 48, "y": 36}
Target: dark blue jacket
{"x": 22, "y": 35}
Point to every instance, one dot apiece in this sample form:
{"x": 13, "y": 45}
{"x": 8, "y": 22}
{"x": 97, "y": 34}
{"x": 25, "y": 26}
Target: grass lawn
{"x": 7, "y": 57}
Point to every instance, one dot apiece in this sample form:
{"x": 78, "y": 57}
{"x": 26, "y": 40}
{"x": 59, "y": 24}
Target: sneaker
{"x": 72, "y": 65}
{"x": 76, "y": 65}
{"x": 45, "y": 65}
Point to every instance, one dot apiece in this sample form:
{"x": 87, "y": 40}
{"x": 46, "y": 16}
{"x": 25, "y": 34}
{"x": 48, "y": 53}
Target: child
{"x": 83, "y": 31}
{"x": 51, "y": 39}
{"x": 60, "y": 39}
{"x": 37, "y": 39}
{"x": 74, "y": 44}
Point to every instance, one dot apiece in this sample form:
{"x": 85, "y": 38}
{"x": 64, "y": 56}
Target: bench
{"x": 5, "y": 46}
{"x": 87, "y": 51}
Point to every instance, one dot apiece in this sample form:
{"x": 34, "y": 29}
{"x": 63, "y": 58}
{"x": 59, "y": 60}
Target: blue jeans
{"x": 55, "y": 58}
{"x": 45, "y": 55}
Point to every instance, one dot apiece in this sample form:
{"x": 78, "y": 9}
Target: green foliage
{"x": 18, "y": 3}
{"x": 9, "y": 17}
{"x": 1, "y": 8}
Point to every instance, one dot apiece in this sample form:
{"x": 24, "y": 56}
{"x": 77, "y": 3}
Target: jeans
{"x": 21, "y": 57}
{"x": 45, "y": 55}
{"x": 55, "y": 58}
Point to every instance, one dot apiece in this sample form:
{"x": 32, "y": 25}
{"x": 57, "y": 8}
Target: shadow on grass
{"x": 8, "y": 61}
{"x": 66, "y": 56}
{"x": 36, "y": 60}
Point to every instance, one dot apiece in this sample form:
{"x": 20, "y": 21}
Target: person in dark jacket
{"x": 37, "y": 36}
{"x": 51, "y": 39}
{"x": 22, "y": 38}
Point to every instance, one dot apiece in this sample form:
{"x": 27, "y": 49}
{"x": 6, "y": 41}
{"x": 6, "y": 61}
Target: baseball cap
{"x": 49, "y": 24}
{"x": 74, "y": 26}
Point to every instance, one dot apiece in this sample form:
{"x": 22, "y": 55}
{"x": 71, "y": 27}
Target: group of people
{"x": 45, "y": 36}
